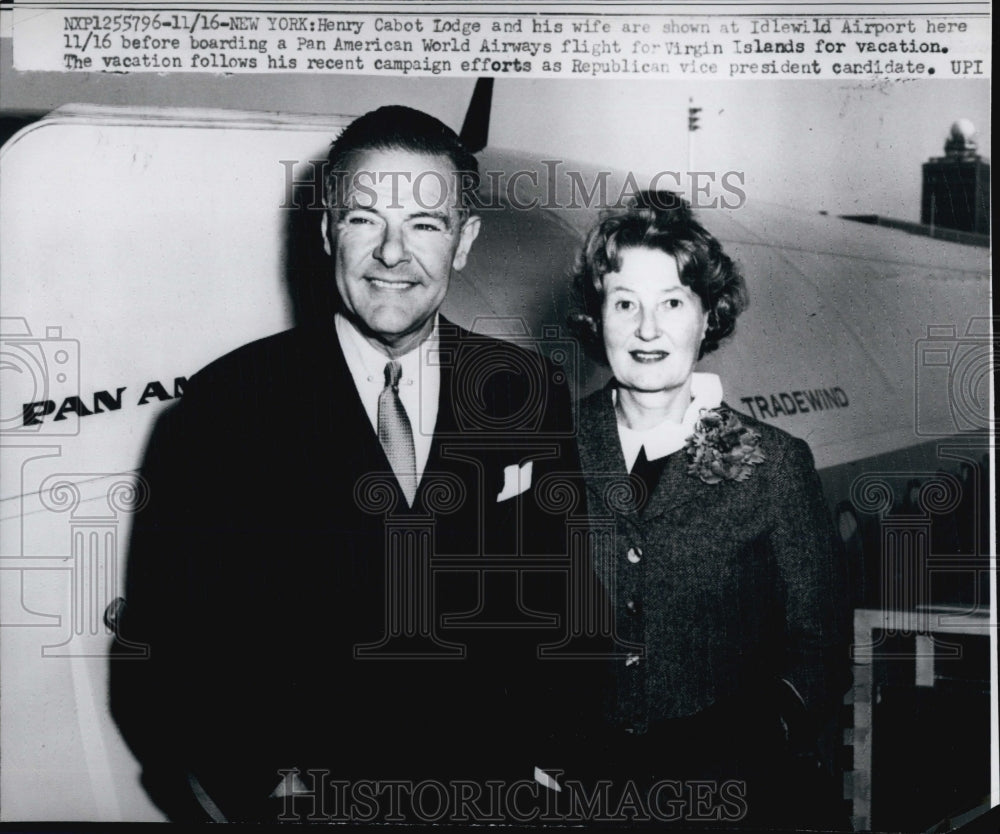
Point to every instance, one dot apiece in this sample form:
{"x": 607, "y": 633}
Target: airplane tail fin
{"x": 476, "y": 127}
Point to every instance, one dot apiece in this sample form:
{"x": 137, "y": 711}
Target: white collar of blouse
{"x": 667, "y": 437}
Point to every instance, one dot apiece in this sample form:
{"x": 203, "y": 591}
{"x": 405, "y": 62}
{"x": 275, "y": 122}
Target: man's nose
{"x": 392, "y": 250}
{"x": 648, "y": 327}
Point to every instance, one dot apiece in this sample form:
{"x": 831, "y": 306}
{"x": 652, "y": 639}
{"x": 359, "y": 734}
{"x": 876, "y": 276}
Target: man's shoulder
{"x": 508, "y": 386}
{"x": 495, "y": 359}
{"x": 291, "y": 351}
{"x": 262, "y": 376}
{"x": 450, "y": 333}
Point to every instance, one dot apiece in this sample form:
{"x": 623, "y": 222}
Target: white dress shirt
{"x": 667, "y": 437}
{"x": 419, "y": 385}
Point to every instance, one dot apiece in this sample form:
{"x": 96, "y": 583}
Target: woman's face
{"x": 653, "y": 324}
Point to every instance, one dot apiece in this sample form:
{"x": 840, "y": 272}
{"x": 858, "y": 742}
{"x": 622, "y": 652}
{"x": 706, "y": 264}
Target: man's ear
{"x": 466, "y": 237}
{"x": 324, "y": 226}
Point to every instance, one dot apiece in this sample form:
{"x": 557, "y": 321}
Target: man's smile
{"x": 391, "y": 285}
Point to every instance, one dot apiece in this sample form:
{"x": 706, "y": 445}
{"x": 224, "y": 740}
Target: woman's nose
{"x": 648, "y": 328}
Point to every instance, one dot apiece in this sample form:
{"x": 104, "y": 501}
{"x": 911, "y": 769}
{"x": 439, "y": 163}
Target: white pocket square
{"x": 547, "y": 781}
{"x": 516, "y": 479}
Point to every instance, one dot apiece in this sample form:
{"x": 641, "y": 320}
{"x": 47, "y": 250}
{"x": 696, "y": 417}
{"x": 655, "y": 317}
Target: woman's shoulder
{"x": 776, "y": 443}
{"x": 595, "y": 403}
{"x": 595, "y": 399}
{"x": 759, "y": 426}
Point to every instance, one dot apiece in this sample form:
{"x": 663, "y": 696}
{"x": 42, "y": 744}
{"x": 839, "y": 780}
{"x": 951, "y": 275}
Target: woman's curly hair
{"x": 660, "y": 220}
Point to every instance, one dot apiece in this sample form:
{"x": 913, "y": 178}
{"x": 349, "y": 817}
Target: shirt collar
{"x": 360, "y": 352}
{"x": 667, "y": 437}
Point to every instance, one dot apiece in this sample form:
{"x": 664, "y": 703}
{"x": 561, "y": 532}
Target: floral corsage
{"x": 722, "y": 448}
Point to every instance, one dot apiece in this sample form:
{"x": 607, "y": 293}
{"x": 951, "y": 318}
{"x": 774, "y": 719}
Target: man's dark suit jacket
{"x": 281, "y": 584}
{"x": 728, "y": 587}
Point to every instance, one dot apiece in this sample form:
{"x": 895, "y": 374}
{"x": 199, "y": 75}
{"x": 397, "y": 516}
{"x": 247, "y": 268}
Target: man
{"x": 347, "y": 566}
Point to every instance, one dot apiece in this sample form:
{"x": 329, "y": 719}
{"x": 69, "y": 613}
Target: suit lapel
{"x": 600, "y": 449}
{"x": 448, "y": 346}
{"x": 677, "y": 488}
{"x": 445, "y": 425}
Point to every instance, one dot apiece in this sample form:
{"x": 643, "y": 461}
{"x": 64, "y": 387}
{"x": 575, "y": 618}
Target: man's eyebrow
{"x": 351, "y": 204}
{"x": 443, "y": 216}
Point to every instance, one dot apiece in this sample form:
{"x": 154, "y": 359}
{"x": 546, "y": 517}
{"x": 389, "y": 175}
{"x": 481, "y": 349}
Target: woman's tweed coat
{"x": 719, "y": 590}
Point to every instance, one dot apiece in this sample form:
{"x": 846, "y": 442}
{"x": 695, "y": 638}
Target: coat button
{"x": 632, "y": 606}
{"x": 634, "y": 554}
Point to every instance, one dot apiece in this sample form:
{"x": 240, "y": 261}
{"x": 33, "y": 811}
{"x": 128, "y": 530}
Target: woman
{"x": 726, "y": 601}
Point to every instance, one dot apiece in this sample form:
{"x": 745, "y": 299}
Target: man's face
{"x": 395, "y": 240}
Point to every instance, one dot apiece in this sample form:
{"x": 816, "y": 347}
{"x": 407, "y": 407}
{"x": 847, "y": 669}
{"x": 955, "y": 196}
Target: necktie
{"x": 395, "y": 434}
{"x": 649, "y": 473}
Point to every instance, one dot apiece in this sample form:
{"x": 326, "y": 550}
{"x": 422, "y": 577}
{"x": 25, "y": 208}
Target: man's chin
{"x": 398, "y": 334}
